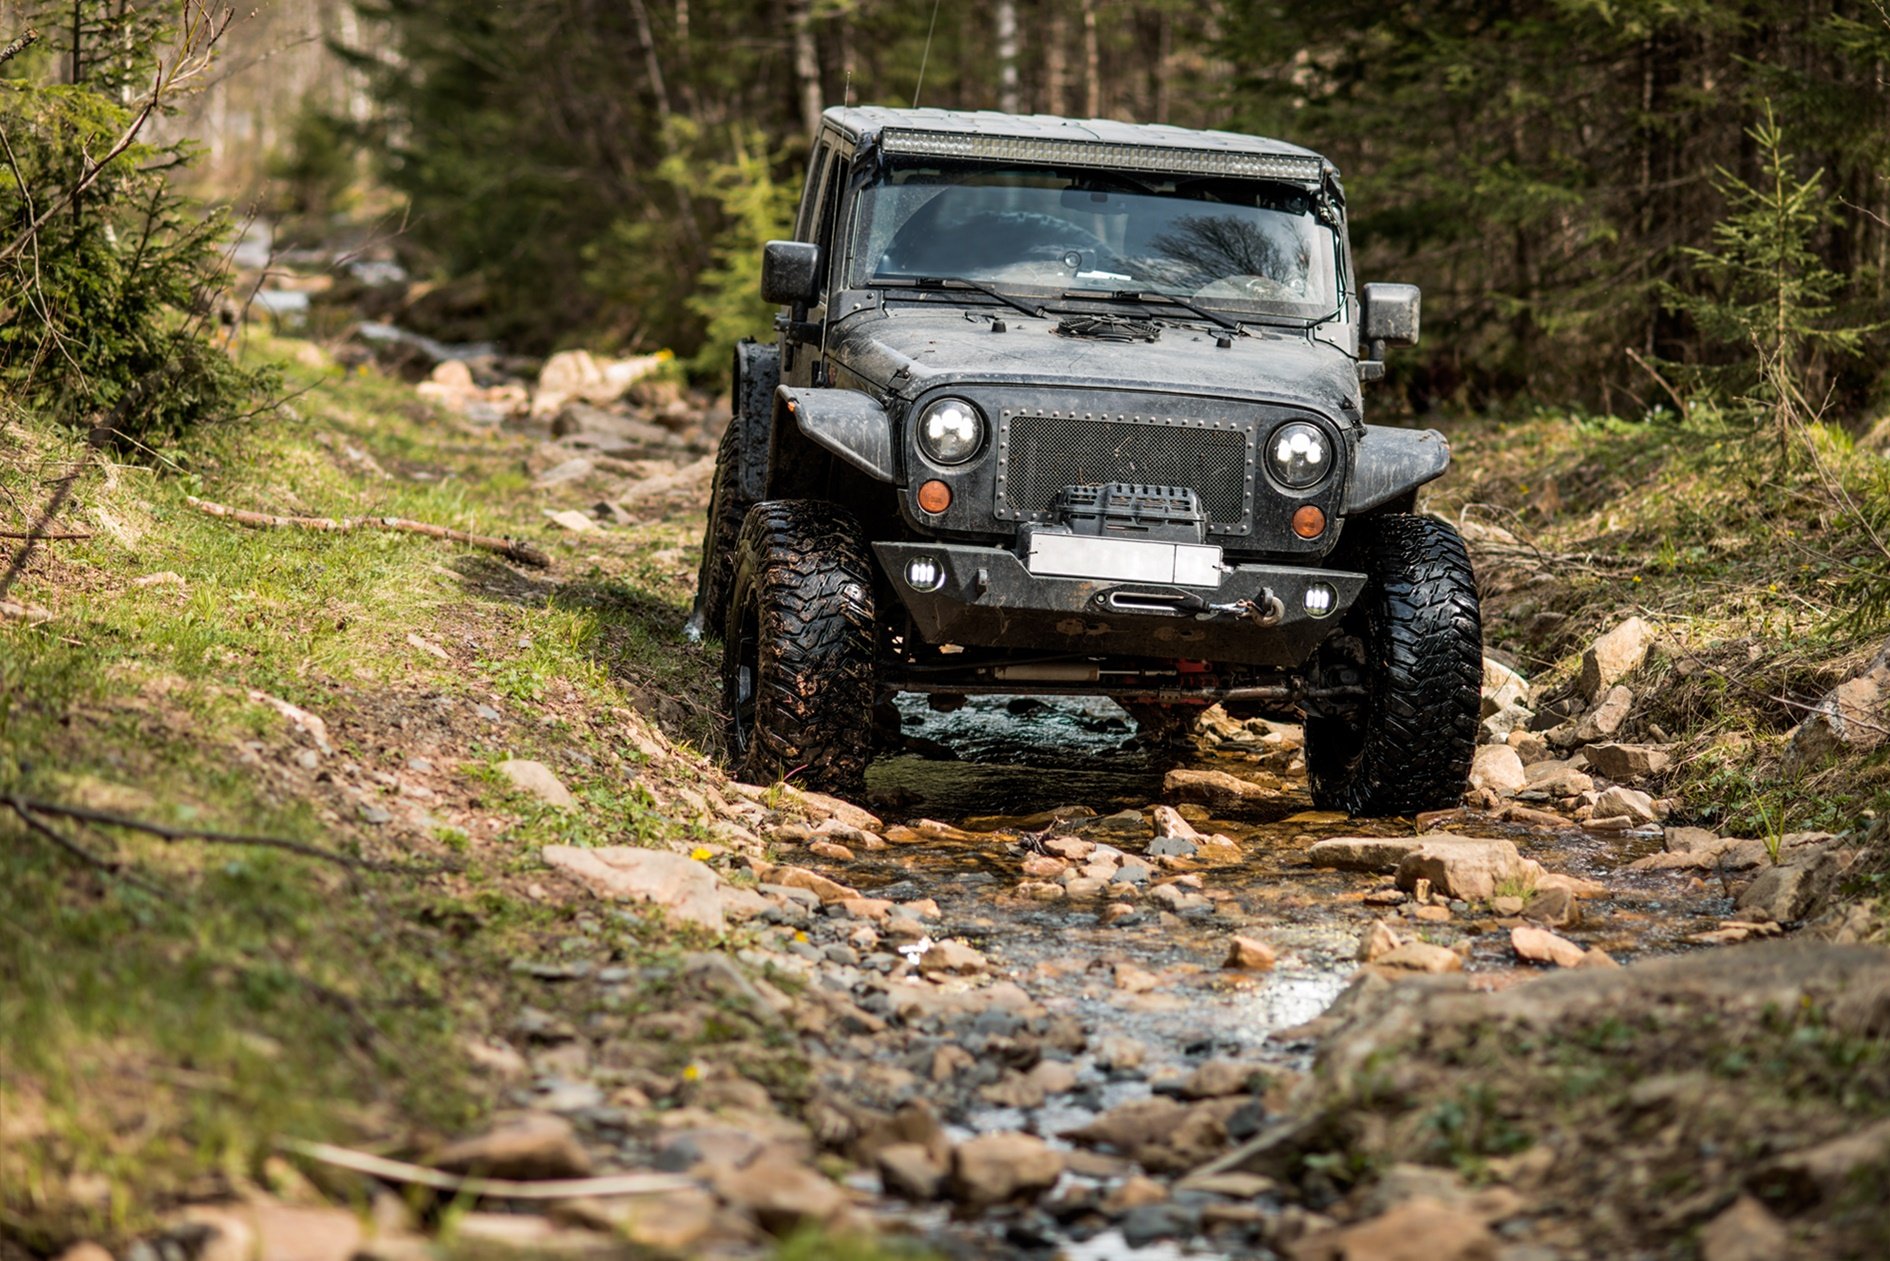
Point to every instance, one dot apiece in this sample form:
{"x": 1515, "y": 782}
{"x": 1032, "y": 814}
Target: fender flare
{"x": 846, "y": 422}
{"x": 1390, "y": 462}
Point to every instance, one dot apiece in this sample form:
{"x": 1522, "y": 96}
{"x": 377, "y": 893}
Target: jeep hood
{"x": 908, "y": 349}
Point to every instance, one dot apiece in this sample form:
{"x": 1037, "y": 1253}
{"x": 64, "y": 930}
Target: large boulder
{"x": 1614, "y": 656}
{"x": 1469, "y": 867}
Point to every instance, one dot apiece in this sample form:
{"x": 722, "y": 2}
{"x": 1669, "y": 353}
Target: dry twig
{"x": 511, "y": 549}
{"x": 609, "y": 1185}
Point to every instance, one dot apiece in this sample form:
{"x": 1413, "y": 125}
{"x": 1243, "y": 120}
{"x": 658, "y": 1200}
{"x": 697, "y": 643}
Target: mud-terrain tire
{"x": 798, "y": 668}
{"x": 741, "y": 476}
{"x": 1419, "y": 635}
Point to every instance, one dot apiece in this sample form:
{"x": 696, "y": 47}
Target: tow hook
{"x": 1264, "y": 611}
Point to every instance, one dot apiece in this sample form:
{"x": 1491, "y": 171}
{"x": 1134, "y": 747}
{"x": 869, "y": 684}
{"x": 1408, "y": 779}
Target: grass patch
{"x": 167, "y": 1013}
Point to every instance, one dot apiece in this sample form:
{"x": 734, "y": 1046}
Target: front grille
{"x": 1040, "y": 455}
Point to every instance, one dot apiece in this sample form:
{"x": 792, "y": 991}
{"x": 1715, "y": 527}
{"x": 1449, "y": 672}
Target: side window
{"x": 816, "y": 167}
{"x": 830, "y": 198}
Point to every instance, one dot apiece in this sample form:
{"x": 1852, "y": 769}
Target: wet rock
{"x": 1217, "y": 1079}
{"x": 1222, "y": 851}
{"x": 951, "y": 958}
{"x": 685, "y": 889}
{"x": 1420, "y": 956}
{"x": 779, "y": 1192}
{"x": 1362, "y": 853}
{"x": 1171, "y": 847}
{"x": 1625, "y": 803}
{"x": 1217, "y": 789}
{"x": 830, "y": 850}
{"x": 1119, "y": 1054}
{"x": 1553, "y": 906}
{"x": 1497, "y": 768}
{"x": 1042, "y": 891}
{"x": 1529, "y": 746}
{"x": 820, "y": 886}
{"x": 1134, "y": 872}
{"x": 1168, "y": 823}
{"x": 1177, "y": 899}
{"x": 537, "y": 779}
{"x": 996, "y": 1169}
{"x": 1607, "y": 717}
{"x": 1072, "y": 848}
{"x": 1124, "y": 825}
{"x": 1084, "y": 888}
{"x": 1539, "y": 945}
{"x": 1248, "y": 954}
{"x": 1419, "y": 1229}
{"x": 529, "y": 1147}
{"x": 1614, "y": 656}
{"x": 824, "y": 807}
{"x": 1133, "y": 1192}
{"x": 911, "y": 1171}
{"x": 1470, "y": 868}
{"x": 1044, "y": 867}
{"x": 1745, "y": 1231}
{"x": 1628, "y": 762}
{"x": 1116, "y": 912}
{"x": 1377, "y": 941}
{"x": 1131, "y": 1127}
{"x": 1685, "y": 840}
{"x": 1134, "y": 980}
{"x": 1556, "y": 779}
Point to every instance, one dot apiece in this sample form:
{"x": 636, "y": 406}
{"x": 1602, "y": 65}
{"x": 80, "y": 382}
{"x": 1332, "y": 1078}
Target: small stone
{"x": 1421, "y": 956}
{"x": 684, "y": 888}
{"x": 1248, "y": 954}
{"x": 1506, "y": 905}
{"x": 1538, "y": 945}
{"x": 1377, "y": 941}
{"x": 571, "y": 519}
{"x": 1222, "y": 851}
{"x": 1073, "y": 848}
{"x": 1116, "y": 912}
{"x": 1217, "y": 1079}
{"x": 1044, "y": 867}
{"x": 911, "y": 1171}
{"x": 1606, "y": 718}
{"x": 1431, "y": 914}
{"x": 779, "y": 1192}
{"x": 951, "y": 958}
{"x": 1175, "y": 898}
{"x": 530, "y": 1147}
{"x": 1171, "y": 847}
{"x": 1556, "y": 779}
{"x": 1502, "y": 687}
{"x": 830, "y": 849}
{"x": 1169, "y": 823}
{"x": 1554, "y": 906}
{"x": 1042, "y": 891}
{"x": 994, "y": 1169}
{"x": 1614, "y": 656}
{"x": 1630, "y": 803}
{"x": 1419, "y": 1229}
{"x": 1217, "y": 789}
{"x": 537, "y": 779}
{"x": 1498, "y": 768}
{"x": 1626, "y": 762}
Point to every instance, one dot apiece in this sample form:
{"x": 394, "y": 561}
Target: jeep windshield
{"x": 1245, "y": 247}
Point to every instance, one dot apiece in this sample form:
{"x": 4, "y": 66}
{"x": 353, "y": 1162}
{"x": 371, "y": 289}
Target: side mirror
{"x": 790, "y": 273}
{"x": 1388, "y": 314}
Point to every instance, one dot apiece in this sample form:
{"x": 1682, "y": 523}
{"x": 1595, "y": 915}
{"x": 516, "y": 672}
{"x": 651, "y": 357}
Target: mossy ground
{"x": 167, "y": 1015}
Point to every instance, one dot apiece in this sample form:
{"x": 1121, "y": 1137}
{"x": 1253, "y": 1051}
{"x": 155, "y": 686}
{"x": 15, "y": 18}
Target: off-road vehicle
{"x": 1063, "y": 407}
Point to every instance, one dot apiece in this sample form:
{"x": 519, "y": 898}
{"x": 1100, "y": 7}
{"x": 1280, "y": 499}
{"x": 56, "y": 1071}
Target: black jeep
{"x": 1066, "y": 407}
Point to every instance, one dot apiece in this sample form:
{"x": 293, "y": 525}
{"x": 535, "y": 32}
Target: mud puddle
{"x": 1146, "y": 979}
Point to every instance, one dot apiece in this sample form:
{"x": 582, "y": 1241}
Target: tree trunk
{"x": 1006, "y": 14}
{"x": 1056, "y": 65}
{"x": 806, "y": 64}
{"x": 1092, "y": 63}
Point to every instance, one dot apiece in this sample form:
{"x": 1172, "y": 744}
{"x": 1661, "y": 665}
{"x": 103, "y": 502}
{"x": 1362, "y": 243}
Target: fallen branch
{"x": 18, "y": 46}
{"x": 608, "y": 1185}
{"x": 113, "y": 867}
{"x": 25, "y": 807}
{"x": 512, "y": 549}
{"x": 27, "y": 534}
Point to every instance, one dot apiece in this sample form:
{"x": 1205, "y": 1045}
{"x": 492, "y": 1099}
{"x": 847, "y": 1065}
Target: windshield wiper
{"x": 959, "y": 282}
{"x": 1149, "y": 298}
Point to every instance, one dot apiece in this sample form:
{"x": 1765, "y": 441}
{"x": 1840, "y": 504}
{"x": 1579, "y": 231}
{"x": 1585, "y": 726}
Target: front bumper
{"x": 988, "y": 599}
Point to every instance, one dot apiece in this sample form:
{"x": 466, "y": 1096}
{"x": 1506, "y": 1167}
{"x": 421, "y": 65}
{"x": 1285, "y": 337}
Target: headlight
{"x": 950, "y": 431}
{"x": 1299, "y": 455}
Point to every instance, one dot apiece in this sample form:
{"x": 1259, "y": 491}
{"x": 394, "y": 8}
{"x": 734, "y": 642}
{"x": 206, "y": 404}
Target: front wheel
{"x": 799, "y": 680}
{"x": 1414, "y": 641}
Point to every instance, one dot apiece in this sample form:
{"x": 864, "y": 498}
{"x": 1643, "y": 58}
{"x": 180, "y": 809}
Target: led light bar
{"x": 1100, "y": 154}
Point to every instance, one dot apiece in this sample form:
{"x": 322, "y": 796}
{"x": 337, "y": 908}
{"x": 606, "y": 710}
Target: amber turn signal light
{"x": 935, "y": 496}
{"x": 1308, "y": 522}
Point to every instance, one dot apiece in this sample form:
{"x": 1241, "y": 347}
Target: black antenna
{"x": 926, "y": 55}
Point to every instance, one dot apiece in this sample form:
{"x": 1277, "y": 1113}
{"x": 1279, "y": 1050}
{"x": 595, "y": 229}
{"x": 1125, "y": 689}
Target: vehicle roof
{"x": 863, "y": 123}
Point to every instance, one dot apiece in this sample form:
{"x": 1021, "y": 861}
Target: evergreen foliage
{"x": 107, "y": 307}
